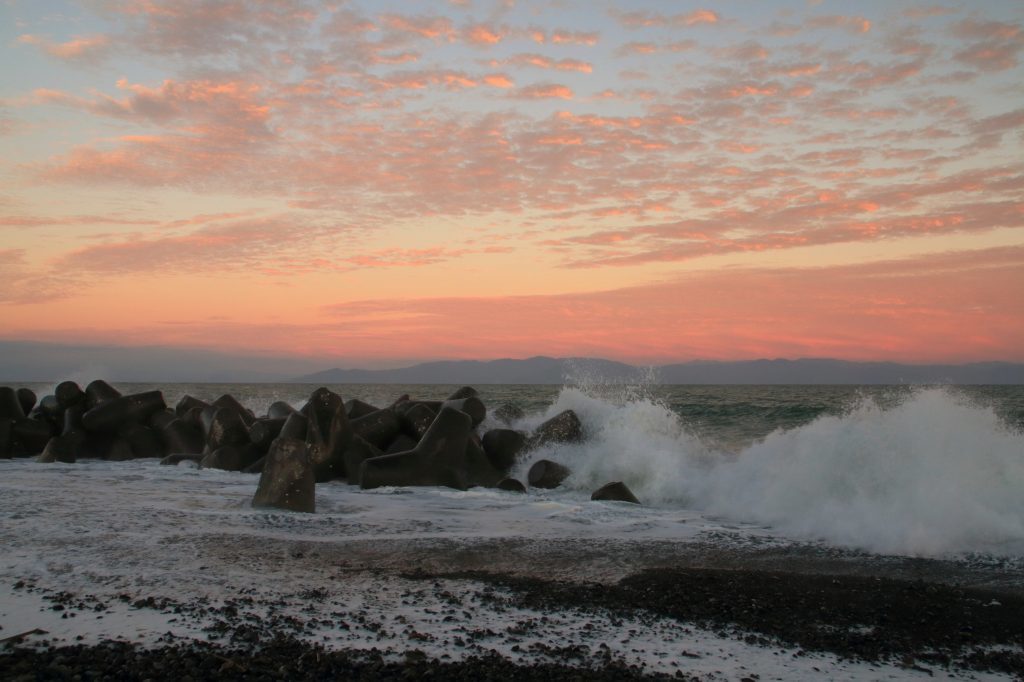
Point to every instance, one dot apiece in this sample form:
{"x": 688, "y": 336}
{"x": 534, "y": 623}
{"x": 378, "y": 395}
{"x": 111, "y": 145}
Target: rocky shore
{"x": 916, "y": 627}
{"x": 343, "y": 540}
{"x": 410, "y": 442}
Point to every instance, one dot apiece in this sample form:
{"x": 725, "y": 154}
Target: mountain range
{"x": 546, "y": 370}
{"x": 35, "y": 361}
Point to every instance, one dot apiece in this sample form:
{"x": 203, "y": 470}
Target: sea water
{"x": 919, "y": 471}
{"x": 834, "y": 474}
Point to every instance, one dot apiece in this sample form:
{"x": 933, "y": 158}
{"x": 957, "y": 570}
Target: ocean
{"x": 900, "y": 481}
{"x": 908, "y": 470}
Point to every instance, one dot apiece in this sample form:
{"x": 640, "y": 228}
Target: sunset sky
{"x": 377, "y": 183}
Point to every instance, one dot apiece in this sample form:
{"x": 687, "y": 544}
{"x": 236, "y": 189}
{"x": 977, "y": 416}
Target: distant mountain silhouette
{"x": 545, "y": 370}
{"x": 22, "y": 361}
{"x": 536, "y": 370}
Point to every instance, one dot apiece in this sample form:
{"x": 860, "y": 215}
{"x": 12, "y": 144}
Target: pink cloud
{"x": 852, "y": 24}
{"x": 637, "y": 48}
{"x": 433, "y": 28}
{"x": 210, "y": 28}
{"x": 57, "y": 221}
{"x": 499, "y": 80}
{"x": 650, "y": 19}
{"x": 80, "y": 48}
{"x": 544, "y": 91}
{"x": 562, "y": 37}
{"x": 418, "y": 80}
{"x": 483, "y": 34}
{"x": 222, "y": 243}
{"x": 232, "y": 104}
{"x": 992, "y": 45}
{"x": 541, "y": 62}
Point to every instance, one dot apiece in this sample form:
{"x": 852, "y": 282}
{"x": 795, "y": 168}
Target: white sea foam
{"x": 932, "y": 475}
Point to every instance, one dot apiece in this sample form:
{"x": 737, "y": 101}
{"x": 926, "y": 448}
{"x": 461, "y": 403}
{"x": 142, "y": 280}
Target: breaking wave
{"x": 933, "y": 473}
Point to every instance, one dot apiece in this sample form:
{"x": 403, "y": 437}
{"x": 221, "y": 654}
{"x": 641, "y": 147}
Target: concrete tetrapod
{"x": 112, "y": 414}
{"x": 287, "y": 480}
{"x": 98, "y": 392}
{"x": 546, "y": 474}
{"x": 615, "y": 491}
{"x": 502, "y": 447}
{"x": 564, "y": 427}
{"x": 27, "y": 398}
{"x": 378, "y": 428}
{"x": 438, "y": 459}
{"x": 328, "y": 434}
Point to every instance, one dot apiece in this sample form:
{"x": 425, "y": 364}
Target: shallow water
{"x": 918, "y": 471}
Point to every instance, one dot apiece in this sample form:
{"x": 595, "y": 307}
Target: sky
{"x": 378, "y": 183}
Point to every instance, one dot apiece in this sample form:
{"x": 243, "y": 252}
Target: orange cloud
{"x": 650, "y": 19}
{"x": 992, "y": 45}
{"x": 848, "y": 23}
{"x": 544, "y": 91}
{"x": 542, "y": 62}
{"x": 79, "y": 48}
{"x": 499, "y": 80}
{"x": 561, "y": 37}
{"x": 482, "y": 34}
{"x": 432, "y": 28}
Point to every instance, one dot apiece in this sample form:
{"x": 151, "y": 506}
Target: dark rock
{"x": 187, "y": 403}
{"x": 415, "y": 418}
{"x": 401, "y": 443}
{"x": 69, "y": 393}
{"x": 464, "y": 392}
{"x": 295, "y": 426}
{"x": 27, "y": 398}
{"x": 29, "y": 436}
{"x": 564, "y": 427}
{"x": 503, "y": 447}
{"x": 477, "y": 466}
{"x": 328, "y": 434}
{"x": 6, "y": 442}
{"x": 117, "y": 450}
{"x": 227, "y": 401}
{"x": 10, "y": 406}
{"x": 231, "y": 457}
{"x": 356, "y": 408}
{"x": 49, "y": 409}
{"x": 378, "y": 428}
{"x": 615, "y": 492}
{"x": 226, "y": 428}
{"x": 358, "y": 452}
{"x": 546, "y": 474}
{"x": 111, "y": 415}
{"x": 508, "y": 413}
{"x": 472, "y": 406}
{"x": 194, "y": 418}
{"x": 287, "y": 481}
{"x": 63, "y": 449}
{"x": 181, "y": 437}
{"x": 257, "y": 466}
{"x": 264, "y": 431}
{"x": 158, "y": 421}
{"x": 280, "y": 410}
{"x": 143, "y": 441}
{"x": 511, "y": 484}
{"x": 438, "y": 459}
{"x": 72, "y": 418}
{"x": 99, "y": 392}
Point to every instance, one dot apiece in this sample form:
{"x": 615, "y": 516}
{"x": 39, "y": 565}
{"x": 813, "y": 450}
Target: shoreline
{"x": 866, "y": 623}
